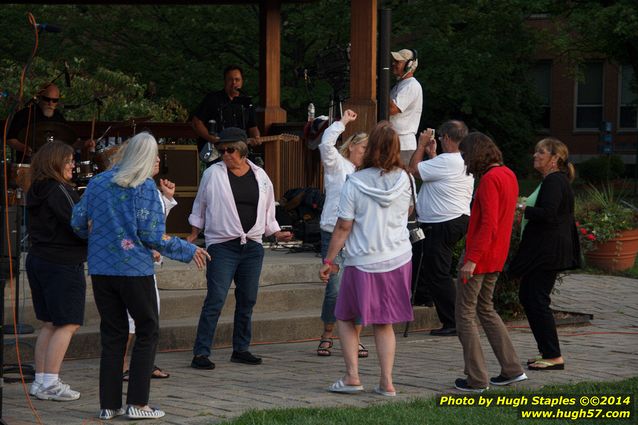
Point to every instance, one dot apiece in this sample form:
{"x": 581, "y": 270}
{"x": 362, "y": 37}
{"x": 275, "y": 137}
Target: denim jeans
{"x": 332, "y": 287}
{"x": 230, "y": 261}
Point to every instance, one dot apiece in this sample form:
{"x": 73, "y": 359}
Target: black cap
{"x": 232, "y": 134}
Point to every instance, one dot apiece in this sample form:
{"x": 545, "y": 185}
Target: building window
{"x": 541, "y": 79}
{"x": 589, "y": 97}
{"x": 628, "y": 99}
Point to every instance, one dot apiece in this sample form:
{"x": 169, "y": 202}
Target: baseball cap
{"x": 402, "y": 55}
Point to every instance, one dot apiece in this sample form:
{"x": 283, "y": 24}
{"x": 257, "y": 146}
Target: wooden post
{"x": 363, "y": 65}
{"x": 270, "y": 84}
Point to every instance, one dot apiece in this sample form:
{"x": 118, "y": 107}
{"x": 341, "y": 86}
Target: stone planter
{"x": 617, "y": 254}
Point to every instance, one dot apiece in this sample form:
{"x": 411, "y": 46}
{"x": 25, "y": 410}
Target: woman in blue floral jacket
{"x": 122, "y": 217}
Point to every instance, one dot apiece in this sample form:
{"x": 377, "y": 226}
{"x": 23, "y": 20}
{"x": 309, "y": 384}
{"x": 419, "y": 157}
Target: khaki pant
{"x": 475, "y": 299}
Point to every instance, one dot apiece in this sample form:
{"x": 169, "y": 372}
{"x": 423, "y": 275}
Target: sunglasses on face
{"x": 50, "y": 99}
{"x": 224, "y": 150}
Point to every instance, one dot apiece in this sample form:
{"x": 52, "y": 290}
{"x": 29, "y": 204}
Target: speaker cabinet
{"x": 179, "y": 164}
{"x": 177, "y": 220}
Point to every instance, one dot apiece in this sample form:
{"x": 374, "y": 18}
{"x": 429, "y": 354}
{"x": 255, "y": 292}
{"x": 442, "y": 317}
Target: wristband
{"x": 328, "y": 262}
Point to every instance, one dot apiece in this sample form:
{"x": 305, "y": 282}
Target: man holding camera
{"x": 406, "y": 101}
{"x": 443, "y": 209}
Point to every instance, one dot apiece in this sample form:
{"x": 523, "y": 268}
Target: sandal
{"x": 546, "y": 365}
{"x": 159, "y": 373}
{"x": 322, "y": 349}
{"x": 125, "y": 376}
{"x": 534, "y": 359}
{"x": 363, "y": 351}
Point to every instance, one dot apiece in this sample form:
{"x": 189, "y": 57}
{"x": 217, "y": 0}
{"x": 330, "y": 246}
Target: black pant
{"x": 113, "y": 296}
{"x": 435, "y": 274}
{"x": 534, "y": 294}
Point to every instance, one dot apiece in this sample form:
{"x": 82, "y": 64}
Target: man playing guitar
{"x": 222, "y": 109}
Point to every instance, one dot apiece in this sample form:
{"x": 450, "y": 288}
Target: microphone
{"x": 212, "y": 127}
{"x": 67, "y": 75}
{"x": 48, "y": 28}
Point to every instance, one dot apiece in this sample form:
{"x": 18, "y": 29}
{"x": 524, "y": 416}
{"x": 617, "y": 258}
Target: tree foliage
{"x": 595, "y": 28}
{"x": 474, "y": 55}
{"x": 474, "y": 65}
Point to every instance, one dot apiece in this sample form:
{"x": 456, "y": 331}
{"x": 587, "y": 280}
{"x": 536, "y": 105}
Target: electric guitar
{"x": 209, "y": 152}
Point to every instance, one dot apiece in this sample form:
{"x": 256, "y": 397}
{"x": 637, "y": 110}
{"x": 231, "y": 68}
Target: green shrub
{"x": 601, "y": 168}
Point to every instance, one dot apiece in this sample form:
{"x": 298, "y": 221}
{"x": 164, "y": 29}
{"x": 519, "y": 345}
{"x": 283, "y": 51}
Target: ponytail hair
{"x": 559, "y": 149}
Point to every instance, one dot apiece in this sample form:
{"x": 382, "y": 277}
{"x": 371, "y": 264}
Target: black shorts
{"x": 58, "y": 291}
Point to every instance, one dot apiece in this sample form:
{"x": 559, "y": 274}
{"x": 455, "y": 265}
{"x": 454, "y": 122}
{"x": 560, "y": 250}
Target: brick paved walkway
{"x": 293, "y": 376}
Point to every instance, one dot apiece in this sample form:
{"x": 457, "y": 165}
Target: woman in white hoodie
{"x": 375, "y": 287}
{"x": 337, "y": 164}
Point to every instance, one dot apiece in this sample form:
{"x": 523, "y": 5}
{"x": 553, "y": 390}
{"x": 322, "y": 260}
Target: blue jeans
{"x": 332, "y": 287}
{"x": 230, "y": 260}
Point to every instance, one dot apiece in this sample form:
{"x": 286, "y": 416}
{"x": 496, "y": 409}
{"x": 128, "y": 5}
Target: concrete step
{"x": 179, "y": 304}
{"x": 179, "y": 334}
{"x": 288, "y": 307}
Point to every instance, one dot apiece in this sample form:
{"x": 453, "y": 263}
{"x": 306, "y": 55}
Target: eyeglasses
{"x": 50, "y": 99}
{"x": 69, "y": 162}
{"x": 224, "y": 150}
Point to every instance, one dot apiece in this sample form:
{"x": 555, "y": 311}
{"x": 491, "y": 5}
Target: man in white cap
{"x": 406, "y": 101}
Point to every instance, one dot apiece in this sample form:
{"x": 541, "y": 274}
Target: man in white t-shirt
{"x": 443, "y": 211}
{"x": 406, "y": 101}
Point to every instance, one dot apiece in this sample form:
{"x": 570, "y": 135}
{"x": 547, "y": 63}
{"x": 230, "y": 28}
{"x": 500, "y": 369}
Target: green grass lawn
{"x": 426, "y": 411}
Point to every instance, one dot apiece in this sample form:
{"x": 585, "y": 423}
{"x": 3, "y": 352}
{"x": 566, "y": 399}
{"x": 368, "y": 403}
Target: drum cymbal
{"x": 48, "y": 131}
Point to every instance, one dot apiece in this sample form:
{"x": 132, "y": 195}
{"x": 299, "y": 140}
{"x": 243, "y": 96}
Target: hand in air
{"x": 348, "y": 116}
{"x": 167, "y": 188}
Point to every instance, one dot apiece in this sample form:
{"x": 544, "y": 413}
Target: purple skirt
{"x": 375, "y": 298}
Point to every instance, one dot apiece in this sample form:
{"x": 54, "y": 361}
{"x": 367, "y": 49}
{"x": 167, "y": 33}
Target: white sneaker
{"x": 58, "y": 392}
{"x": 106, "y": 414}
{"x": 136, "y": 413}
{"x": 34, "y": 388}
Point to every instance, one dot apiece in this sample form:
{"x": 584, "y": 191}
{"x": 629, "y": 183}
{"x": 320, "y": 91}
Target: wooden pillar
{"x": 270, "y": 84}
{"x": 363, "y": 65}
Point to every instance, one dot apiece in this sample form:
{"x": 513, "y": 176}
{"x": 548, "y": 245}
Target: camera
{"x": 416, "y": 235}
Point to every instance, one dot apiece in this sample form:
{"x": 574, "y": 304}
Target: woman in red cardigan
{"x": 486, "y": 248}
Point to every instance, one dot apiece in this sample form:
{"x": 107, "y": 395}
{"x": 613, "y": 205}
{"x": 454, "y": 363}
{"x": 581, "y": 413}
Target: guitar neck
{"x": 263, "y": 139}
{"x": 277, "y": 137}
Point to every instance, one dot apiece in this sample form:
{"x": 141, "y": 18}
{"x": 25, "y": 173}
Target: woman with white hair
{"x": 122, "y": 217}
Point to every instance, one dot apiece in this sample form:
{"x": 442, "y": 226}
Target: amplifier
{"x": 179, "y": 164}
{"x": 177, "y": 220}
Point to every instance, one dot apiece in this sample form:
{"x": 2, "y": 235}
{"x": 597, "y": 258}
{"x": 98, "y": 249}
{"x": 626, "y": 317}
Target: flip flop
{"x": 363, "y": 351}
{"x": 379, "y": 391}
{"x": 325, "y": 351}
{"x": 341, "y": 387}
{"x": 534, "y": 359}
{"x": 159, "y": 373}
{"x": 546, "y": 365}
